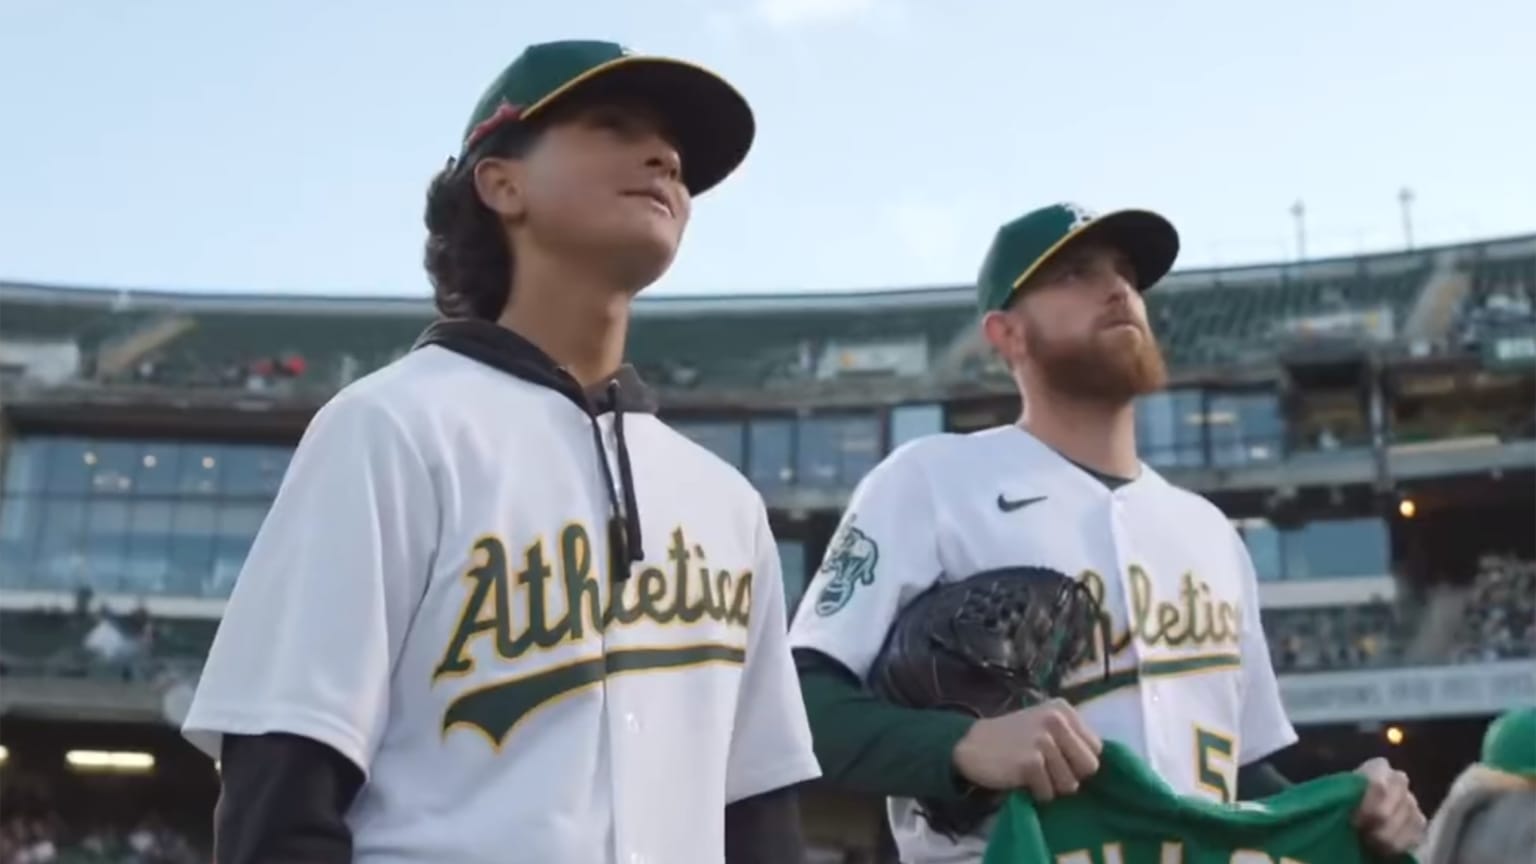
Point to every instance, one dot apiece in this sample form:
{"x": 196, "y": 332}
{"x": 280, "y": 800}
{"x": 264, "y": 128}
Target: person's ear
{"x": 499, "y": 185}
{"x": 1004, "y": 332}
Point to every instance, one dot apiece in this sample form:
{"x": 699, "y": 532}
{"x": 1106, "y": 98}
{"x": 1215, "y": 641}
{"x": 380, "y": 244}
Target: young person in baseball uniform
{"x": 1190, "y": 689}
{"x": 498, "y": 611}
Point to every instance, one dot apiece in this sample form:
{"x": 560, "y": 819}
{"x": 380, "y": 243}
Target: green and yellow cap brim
{"x": 711, "y": 123}
{"x": 1024, "y": 246}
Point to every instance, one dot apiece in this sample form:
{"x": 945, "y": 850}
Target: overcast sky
{"x": 284, "y": 146}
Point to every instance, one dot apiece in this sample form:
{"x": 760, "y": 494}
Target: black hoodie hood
{"x": 623, "y": 392}
{"x": 500, "y": 348}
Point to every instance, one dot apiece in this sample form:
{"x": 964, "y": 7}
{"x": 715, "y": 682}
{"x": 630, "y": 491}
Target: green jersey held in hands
{"x": 1125, "y": 814}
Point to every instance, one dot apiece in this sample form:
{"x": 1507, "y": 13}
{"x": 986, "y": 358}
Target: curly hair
{"x": 467, "y": 255}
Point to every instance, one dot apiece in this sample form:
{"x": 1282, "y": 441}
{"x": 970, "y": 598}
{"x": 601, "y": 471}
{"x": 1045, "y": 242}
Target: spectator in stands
{"x": 51, "y": 840}
{"x": 1499, "y": 623}
{"x": 1489, "y": 817}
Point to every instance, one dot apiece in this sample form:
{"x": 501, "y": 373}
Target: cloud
{"x": 787, "y": 14}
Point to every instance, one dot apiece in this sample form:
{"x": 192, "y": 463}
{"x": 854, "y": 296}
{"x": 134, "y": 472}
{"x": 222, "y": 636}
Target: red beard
{"x": 1113, "y": 365}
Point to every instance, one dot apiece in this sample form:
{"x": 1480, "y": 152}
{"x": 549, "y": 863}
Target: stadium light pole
{"x": 1405, "y": 201}
{"x": 1299, "y": 213}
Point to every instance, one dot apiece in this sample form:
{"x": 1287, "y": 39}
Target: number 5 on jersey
{"x": 1216, "y": 763}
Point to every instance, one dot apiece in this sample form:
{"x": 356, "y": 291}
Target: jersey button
{"x": 631, "y": 722}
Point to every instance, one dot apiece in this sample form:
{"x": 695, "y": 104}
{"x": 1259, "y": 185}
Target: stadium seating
{"x": 1503, "y": 293}
{"x": 1499, "y": 623}
{"x": 324, "y": 342}
{"x": 1223, "y": 322}
{"x": 776, "y": 347}
{"x": 1203, "y": 318}
{"x": 59, "y": 642}
{"x": 32, "y": 832}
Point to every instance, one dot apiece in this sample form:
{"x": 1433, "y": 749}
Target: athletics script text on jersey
{"x": 567, "y": 599}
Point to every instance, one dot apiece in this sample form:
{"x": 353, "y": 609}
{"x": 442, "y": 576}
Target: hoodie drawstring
{"x": 624, "y": 544}
{"x": 626, "y": 482}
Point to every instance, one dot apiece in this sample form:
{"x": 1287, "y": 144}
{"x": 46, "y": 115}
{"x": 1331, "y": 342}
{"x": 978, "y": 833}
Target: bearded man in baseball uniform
{"x": 1189, "y": 687}
{"x": 498, "y": 611}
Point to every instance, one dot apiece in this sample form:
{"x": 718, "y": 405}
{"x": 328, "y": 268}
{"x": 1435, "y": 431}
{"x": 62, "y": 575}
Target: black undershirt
{"x": 283, "y": 799}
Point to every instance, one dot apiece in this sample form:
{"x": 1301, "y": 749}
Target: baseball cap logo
{"x": 1080, "y": 215}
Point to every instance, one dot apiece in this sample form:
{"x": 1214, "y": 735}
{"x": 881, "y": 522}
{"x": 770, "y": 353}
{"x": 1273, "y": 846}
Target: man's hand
{"x": 1389, "y": 817}
{"x": 1046, "y": 749}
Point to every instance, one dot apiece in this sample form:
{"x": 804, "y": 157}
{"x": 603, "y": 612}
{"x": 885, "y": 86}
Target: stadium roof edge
{"x": 675, "y": 304}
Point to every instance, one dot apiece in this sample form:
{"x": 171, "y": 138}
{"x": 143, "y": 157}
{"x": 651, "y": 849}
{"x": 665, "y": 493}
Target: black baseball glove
{"x": 995, "y": 642}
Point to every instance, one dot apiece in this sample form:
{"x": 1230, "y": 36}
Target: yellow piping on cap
{"x": 1051, "y": 250}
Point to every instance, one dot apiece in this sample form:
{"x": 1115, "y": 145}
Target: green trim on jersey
{"x": 868, "y": 745}
{"x": 1103, "y": 686}
{"x": 1125, "y": 814}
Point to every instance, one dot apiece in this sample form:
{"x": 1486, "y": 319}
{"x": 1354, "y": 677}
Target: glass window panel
{"x": 159, "y": 466}
{"x": 910, "y": 422}
{"x": 59, "y": 562}
{"x": 105, "y": 541}
{"x": 21, "y": 520}
{"x": 238, "y": 525}
{"x": 1263, "y": 427}
{"x": 199, "y": 470}
{"x": 1244, "y": 428}
{"x": 1339, "y": 547}
{"x": 816, "y": 453}
{"x": 769, "y": 467}
{"x": 1169, "y": 429}
{"x": 1189, "y": 428}
{"x": 1263, "y": 543}
{"x": 191, "y": 547}
{"x": 792, "y": 562}
{"x": 147, "y": 556}
{"x": 837, "y": 451}
{"x": 26, "y": 464}
{"x": 70, "y": 463}
{"x": 724, "y": 438}
{"x": 252, "y": 471}
{"x": 114, "y": 466}
{"x": 1154, "y": 428}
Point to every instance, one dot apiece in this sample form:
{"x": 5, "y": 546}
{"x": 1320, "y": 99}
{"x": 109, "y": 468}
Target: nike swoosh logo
{"x": 1007, "y": 506}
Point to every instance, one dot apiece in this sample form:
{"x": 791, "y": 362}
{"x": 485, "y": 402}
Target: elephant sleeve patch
{"x": 850, "y": 562}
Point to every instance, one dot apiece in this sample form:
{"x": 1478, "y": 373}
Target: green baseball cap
{"x": 1509, "y": 745}
{"x": 712, "y": 122}
{"x": 1024, "y": 245}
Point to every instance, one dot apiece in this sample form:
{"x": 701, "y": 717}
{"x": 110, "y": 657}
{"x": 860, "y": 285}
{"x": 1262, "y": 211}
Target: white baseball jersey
{"x": 1191, "y": 687}
{"x": 430, "y": 595}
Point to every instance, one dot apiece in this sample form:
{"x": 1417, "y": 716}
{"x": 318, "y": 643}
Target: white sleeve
{"x": 1264, "y": 726}
{"x": 771, "y": 741}
{"x": 320, "y": 610}
{"x": 883, "y": 554}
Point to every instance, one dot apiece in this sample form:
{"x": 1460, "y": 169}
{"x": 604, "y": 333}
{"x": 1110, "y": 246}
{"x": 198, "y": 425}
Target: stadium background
{"x": 1368, "y": 423}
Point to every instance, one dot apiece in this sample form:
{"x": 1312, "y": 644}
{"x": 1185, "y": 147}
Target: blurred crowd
{"x": 89, "y": 639}
{"x": 1495, "y": 307}
{"x": 50, "y": 839}
{"x": 1501, "y": 617}
{"x": 261, "y": 374}
{"x": 1493, "y": 619}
